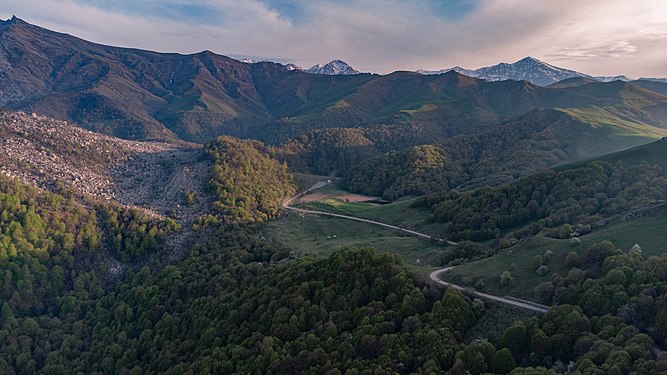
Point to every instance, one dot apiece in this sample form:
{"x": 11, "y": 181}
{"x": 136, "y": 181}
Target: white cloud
{"x": 594, "y": 36}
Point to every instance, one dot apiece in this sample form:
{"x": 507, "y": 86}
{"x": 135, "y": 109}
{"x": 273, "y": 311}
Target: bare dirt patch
{"x": 347, "y": 197}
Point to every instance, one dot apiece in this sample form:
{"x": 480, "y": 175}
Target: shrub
{"x": 506, "y": 279}
{"x": 542, "y": 270}
{"x": 537, "y": 262}
{"x": 565, "y": 231}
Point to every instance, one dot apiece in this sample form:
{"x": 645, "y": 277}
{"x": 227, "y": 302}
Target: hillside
{"x": 651, "y": 153}
{"x": 135, "y": 94}
{"x": 536, "y": 141}
{"x": 124, "y": 92}
{"x": 57, "y": 156}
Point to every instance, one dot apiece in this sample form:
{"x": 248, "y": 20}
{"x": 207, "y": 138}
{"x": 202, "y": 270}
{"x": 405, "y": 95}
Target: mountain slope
{"x": 659, "y": 87}
{"x": 534, "y": 142}
{"x": 144, "y": 95}
{"x": 153, "y": 176}
{"x": 124, "y": 92}
{"x": 654, "y": 153}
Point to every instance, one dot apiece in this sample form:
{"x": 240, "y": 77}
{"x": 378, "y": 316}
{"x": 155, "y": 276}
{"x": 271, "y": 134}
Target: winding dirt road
{"x": 321, "y": 184}
{"x": 528, "y": 305}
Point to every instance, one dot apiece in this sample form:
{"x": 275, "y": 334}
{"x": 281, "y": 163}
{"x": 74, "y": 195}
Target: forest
{"x": 569, "y": 199}
{"x": 238, "y": 303}
{"x": 248, "y": 185}
{"x": 398, "y": 160}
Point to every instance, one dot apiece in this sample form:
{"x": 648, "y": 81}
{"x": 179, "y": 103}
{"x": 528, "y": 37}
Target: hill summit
{"x": 333, "y": 68}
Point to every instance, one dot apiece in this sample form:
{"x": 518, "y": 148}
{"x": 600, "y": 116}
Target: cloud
{"x": 602, "y": 52}
{"x": 594, "y": 36}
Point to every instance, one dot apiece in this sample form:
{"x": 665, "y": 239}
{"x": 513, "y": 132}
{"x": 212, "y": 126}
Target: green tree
{"x": 506, "y": 279}
{"x": 572, "y": 260}
{"x": 502, "y": 362}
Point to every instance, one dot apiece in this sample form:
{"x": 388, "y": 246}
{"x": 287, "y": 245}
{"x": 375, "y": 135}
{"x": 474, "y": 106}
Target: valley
{"x": 193, "y": 213}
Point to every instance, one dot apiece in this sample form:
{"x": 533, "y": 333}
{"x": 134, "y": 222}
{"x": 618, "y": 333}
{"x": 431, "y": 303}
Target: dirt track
{"x": 528, "y": 305}
{"x": 320, "y": 184}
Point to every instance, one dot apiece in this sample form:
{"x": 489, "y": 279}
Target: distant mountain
{"x": 662, "y": 80}
{"x": 293, "y": 67}
{"x": 288, "y": 66}
{"x": 529, "y": 69}
{"x": 458, "y": 69}
{"x": 335, "y": 67}
{"x": 144, "y": 95}
{"x": 614, "y": 78}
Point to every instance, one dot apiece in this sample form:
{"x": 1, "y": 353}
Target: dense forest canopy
{"x": 582, "y": 195}
{"x": 394, "y": 161}
{"x": 249, "y": 186}
{"x": 237, "y": 303}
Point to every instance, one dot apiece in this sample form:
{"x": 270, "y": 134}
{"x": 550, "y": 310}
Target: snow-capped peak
{"x": 292, "y": 67}
{"x": 335, "y": 67}
{"x": 529, "y": 69}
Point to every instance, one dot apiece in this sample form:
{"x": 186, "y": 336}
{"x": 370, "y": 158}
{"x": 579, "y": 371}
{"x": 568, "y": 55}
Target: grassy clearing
{"x": 324, "y": 235}
{"x": 397, "y": 213}
{"x": 333, "y": 191}
{"x": 651, "y": 153}
{"x": 648, "y": 231}
{"x": 599, "y": 117}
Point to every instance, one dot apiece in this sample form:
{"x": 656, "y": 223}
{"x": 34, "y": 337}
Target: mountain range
{"x": 529, "y": 69}
{"x": 137, "y": 94}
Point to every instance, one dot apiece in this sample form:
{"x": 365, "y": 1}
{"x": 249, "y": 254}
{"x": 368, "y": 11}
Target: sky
{"x": 597, "y": 37}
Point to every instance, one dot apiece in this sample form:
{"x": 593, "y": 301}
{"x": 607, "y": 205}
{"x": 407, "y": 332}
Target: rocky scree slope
{"x": 151, "y": 176}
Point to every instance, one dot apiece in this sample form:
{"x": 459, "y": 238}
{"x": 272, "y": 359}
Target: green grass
{"x": 331, "y": 190}
{"x": 397, "y": 213}
{"x": 651, "y": 153}
{"x": 323, "y": 236}
{"x": 648, "y": 231}
{"x": 599, "y": 117}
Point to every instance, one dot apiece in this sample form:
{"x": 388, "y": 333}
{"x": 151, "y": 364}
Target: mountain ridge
{"x": 529, "y": 68}
{"x": 145, "y": 95}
